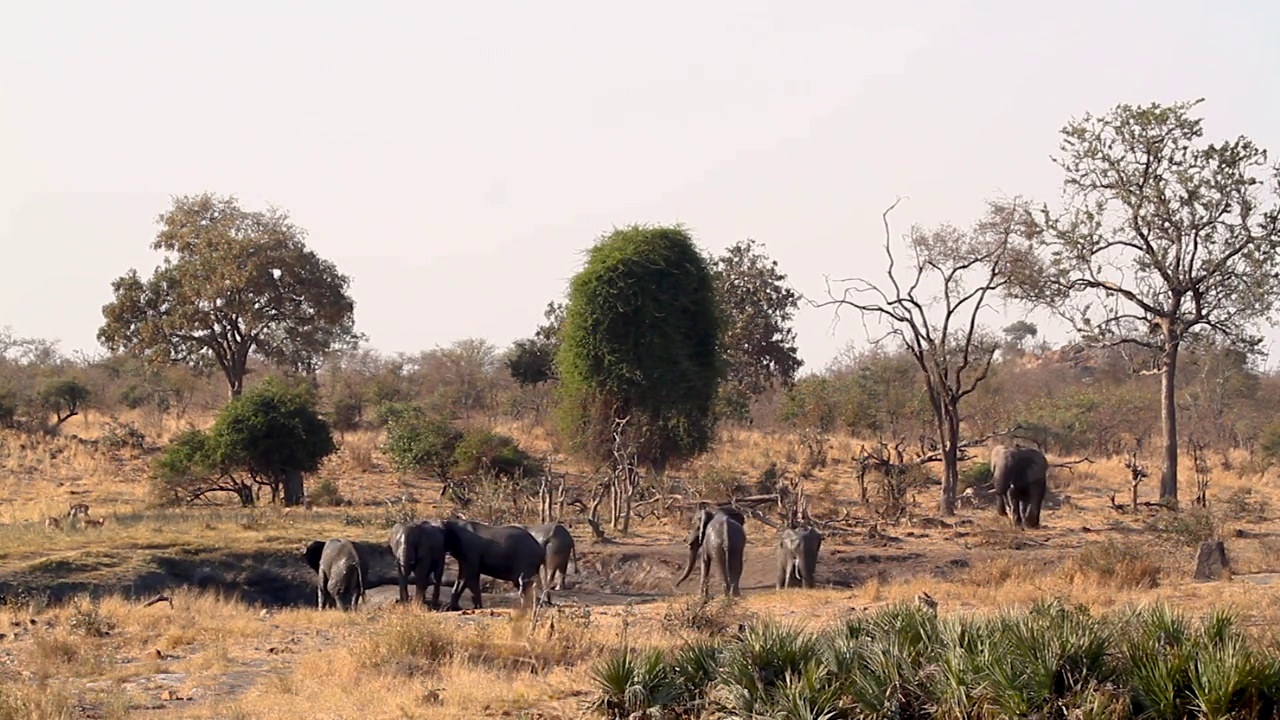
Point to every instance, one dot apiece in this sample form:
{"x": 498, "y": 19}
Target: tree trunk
{"x": 1169, "y": 419}
{"x": 293, "y": 494}
{"x": 950, "y": 463}
{"x": 235, "y": 383}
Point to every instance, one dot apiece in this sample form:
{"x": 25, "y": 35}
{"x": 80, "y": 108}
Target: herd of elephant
{"x": 527, "y": 556}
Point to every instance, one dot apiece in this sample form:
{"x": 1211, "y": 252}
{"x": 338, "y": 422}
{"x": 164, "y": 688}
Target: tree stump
{"x": 1211, "y": 561}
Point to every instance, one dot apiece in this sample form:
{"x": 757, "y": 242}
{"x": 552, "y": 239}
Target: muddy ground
{"x": 614, "y": 572}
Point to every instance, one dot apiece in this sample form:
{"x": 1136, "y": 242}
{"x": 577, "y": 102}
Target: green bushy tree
{"x": 641, "y": 341}
{"x": 269, "y": 436}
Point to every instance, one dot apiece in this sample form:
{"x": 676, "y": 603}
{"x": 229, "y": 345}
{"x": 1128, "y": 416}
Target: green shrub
{"x": 267, "y": 437}
{"x": 326, "y": 494}
{"x": 978, "y": 473}
{"x": 481, "y": 449}
{"x": 418, "y": 442}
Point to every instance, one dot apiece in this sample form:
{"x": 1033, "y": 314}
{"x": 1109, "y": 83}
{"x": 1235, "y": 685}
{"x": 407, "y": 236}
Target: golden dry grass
{"x": 208, "y": 656}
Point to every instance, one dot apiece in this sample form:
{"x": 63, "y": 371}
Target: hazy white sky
{"x": 455, "y": 159}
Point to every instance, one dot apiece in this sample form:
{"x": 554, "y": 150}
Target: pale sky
{"x": 455, "y": 160}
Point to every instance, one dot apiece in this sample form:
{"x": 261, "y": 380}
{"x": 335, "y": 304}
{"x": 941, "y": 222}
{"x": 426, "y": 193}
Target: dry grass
{"x": 210, "y": 656}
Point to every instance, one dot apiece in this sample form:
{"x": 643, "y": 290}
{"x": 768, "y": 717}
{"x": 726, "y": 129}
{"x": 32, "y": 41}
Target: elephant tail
{"x": 359, "y": 583}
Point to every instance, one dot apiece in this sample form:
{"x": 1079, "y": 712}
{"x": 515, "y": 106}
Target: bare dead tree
{"x": 593, "y": 512}
{"x": 940, "y": 330}
{"x": 626, "y": 476}
{"x": 1204, "y": 472}
{"x": 1137, "y": 473}
{"x": 895, "y": 477}
{"x": 550, "y": 494}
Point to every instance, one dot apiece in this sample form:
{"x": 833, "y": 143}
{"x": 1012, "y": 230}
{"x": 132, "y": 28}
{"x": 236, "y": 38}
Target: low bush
{"x": 1051, "y": 661}
{"x": 978, "y": 473}
{"x": 326, "y": 493}
{"x": 481, "y": 449}
{"x": 1120, "y": 565}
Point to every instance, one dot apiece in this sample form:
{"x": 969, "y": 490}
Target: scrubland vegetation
{"x": 224, "y": 428}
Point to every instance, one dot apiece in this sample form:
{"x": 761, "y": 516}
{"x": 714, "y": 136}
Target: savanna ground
{"x": 241, "y": 637}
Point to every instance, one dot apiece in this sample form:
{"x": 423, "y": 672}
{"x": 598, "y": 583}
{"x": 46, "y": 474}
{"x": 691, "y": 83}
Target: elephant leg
{"x": 422, "y": 576}
{"x": 457, "y": 591}
{"x": 1011, "y": 502}
{"x": 473, "y": 583}
{"x": 733, "y": 563}
{"x": 1035, "y": 501}
{"x": 723, "y": 562}
{"x": 403, "y": 573}
{"x": 563, "y": 570}
{"x": 704, "y": 578}
{"x": 437, "y": 575}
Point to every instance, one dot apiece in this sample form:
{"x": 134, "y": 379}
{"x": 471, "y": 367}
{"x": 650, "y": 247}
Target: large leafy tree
{"x": 234, "y": 283}
{"x": 1162, "y": 238}
{"x": 756, "y": 339}
{"x": 640, "y": 342}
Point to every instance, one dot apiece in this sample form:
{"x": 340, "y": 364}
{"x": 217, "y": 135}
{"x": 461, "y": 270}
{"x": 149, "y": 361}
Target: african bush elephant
{"x": 419, "y": 550}
{"x": 797, "y": 556}
{"x": 503, "y": 552}
{"x": 558, "y": 543}
{"x": 1020, "y": 476}
{"x": 340, "y": 573}
{"x": 717, "y": 536}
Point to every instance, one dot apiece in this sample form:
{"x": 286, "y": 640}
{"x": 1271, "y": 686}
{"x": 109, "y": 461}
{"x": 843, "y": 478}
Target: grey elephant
{"x": 419, "y": 550}
{"x": 717, "y": 537}
{"x": 340, "y": 571}
{"x": 558, "y": 543}
{"x": 797, "y": 556}
{"x": 503, "y": 552}
{"x": 1020, "y": 476}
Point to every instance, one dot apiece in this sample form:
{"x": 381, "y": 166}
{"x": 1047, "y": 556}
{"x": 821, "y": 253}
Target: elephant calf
{"x": 718, "y": 536}
{"x": 558, "y": 543}
{"x": 419, "y": 551}
{"x": 340, "y": 573}
{"x": 797, "y": 556}
{"x": 1020, "y": 476}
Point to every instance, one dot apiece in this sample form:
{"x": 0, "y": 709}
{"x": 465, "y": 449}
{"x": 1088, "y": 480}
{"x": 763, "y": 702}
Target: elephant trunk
{"x": 693, "y": 556}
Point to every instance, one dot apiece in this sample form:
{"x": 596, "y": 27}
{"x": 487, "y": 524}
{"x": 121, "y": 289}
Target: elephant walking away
{"x": 503, "y": 552}
{"x": 558, "y": 543}
{"x": 1020, "y": 476}
{"x": 797, "y": 556}
{"x": 419, "y": 550}
{"x": 717, "y": 537}
{"x": 340, "y": 573}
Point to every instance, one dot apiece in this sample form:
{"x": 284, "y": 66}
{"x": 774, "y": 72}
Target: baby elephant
{"x": 797, "y": 556}
{"x": 340, "y": 573}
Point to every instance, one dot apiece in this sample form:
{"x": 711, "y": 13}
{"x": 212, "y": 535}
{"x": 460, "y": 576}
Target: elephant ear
{"x": 312, "y": 552}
